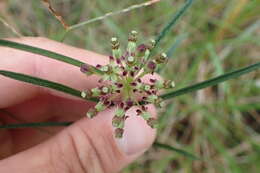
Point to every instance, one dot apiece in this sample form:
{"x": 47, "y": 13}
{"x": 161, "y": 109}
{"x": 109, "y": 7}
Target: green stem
{"x": 32, "y": 125}
{"x": 45, "y": 53}
{"x": 211, "y": 82}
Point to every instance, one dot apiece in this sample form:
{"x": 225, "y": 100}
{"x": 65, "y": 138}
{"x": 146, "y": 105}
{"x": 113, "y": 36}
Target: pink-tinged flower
{"x": 124, "y": 73}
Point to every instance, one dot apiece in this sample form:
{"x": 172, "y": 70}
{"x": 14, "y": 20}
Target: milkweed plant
{"x": 121, "y": 82}
{"x": 124, "y": 73}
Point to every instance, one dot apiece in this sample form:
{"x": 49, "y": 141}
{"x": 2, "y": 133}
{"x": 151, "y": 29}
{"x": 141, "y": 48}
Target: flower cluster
{"x": 124, "y": 73}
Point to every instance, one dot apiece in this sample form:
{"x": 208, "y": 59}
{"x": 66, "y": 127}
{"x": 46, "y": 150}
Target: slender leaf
{"x": 44, "y": 52}
{"x": 43, "y": 82}
{"x": 128, "y": 9}
{"x": 32, "y": 125}
{"x": 171, "y": 148}
{"x": 40, "y": 51}
{"x": 173, "y": 21}
{"x": 55, "y": 124}
{"x": 211, "y": 82}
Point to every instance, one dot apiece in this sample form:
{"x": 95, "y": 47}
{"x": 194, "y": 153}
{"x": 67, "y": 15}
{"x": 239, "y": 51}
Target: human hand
{"x": 88, "y": 145}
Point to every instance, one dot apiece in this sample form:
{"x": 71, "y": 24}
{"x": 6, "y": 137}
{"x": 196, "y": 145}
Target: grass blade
{"x": 67, "y": 123}
{"x": 43, "y": 83}
{"x": 179, "y": 151}
{"x": 44, "y": 52}
{"x": 10, "y": 27}
{"x": 136, "y": 6}
{"x": 32, "y": 125}
{"x": 41, "y": 52}
{"x": 211, "y": 82}
{"x": 172, "y": 22}
{"x": 21, "y": 120}
{"x": 55, "y": 13}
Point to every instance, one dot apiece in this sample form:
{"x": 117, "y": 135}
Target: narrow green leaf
{"x": 43, "y": 52}
{"x": 53, "y": 124}
{"x": 180, "y": 151}
{"x": 32, "y": 125}
{"x": 43, "y": 82}
{"x": 211, "y": 82}
{"x": 40, "y": 51}
{"x": 173, "y": 21}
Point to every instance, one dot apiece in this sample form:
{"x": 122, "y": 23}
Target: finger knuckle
{"x": 75, "y": 152}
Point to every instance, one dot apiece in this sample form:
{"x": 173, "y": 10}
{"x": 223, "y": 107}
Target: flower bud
{"x": 118, "y": 122}
{"x": 87, "y": 69}
{"x": 83, "y": 94}
{"x": 105, "y": 68}
{"x": 95, "y": 92}
{"x": 151, "y": 66}
{"x": 133, "y": 36}
{"x": 114, "y": 43}
{"x": 87, "y": 94}
{"x": 130, "y": 60}
{"x": 91, "y": 113}
{"x": 120, "y": 112}
{"x": 113, "y": 77}
{"x": 100, "y": 106}
{"x": 151, "y": 44}
{"x": 145, "y": 115}
{"x": 162, "y": 58}
{"x": 159, "y": 103}
{"x": 152, "y": 98}
{"x": 105, "y": 90}
{"x": 132, "y": 42}
{"x": 169, "y": 84}
{"x": 115, "y": 47}
{"x": 164, "y": 84}
{"x": 141, "y": 50}
{"x": 152, "y": 122}
{"x": 119, "y": 133}
{"x": 147, "y": 87}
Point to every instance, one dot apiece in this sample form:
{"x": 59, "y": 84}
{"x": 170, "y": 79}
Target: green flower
{"x": 123, "y": 76}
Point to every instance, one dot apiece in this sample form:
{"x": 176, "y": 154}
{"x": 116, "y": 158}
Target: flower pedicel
{"x": 125, "y": 71}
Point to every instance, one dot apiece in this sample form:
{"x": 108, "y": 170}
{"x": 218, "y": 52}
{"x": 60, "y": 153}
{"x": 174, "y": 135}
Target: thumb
{"x": 86, "y": 146}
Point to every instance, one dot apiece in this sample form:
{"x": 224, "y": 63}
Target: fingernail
{"x": 137, "y": 137}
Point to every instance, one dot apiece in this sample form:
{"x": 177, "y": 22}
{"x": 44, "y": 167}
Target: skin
{"x": 86, "y": 146}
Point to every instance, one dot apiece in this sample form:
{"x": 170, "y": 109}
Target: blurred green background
{"x": 221, "y": 124}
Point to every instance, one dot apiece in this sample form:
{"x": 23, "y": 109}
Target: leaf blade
{"x": 172, "y": 22}
{"x": 211, "y": 82}
{"x": 45, "y": 53}
{"x": 32, "y": 125}
{"x": 43, "y": 83}
{"x": 177, "y": 150}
